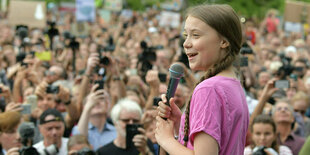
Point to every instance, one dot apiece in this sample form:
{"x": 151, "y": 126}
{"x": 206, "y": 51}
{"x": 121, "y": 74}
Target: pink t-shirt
{"x": 218, "y": 108}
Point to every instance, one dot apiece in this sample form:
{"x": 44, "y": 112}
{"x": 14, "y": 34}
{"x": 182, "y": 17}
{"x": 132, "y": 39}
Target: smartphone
{"x": 281, "y": 84}
{"x": 131, "y": 131}
{"x": 244, "y": 62}
{"x": 100, "y": 83}
{"x": 162, "y": 77}
{"x": 26, "y": 109}
{"x": 0, "y": 90}
{"x": 32, "y": 100}
{"x": 156, "y": 101}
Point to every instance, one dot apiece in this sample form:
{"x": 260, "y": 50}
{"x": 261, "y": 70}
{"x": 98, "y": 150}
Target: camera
{"x": 246, "y": 49}
{"x": 26, "y": 132}
{"x": 100, "y": 83}
{"x": 162, "y": 77}
{"x": 20, "y": 56}
{"x": 104, "y": 60}
{"x": 24, "y": 64}
{"x": 156, "y": 101}
{"x": 260, "y": 151}
{"x": 281, "y": 84}
{"x": 28, "y": 150}
{"x": 131, "y": 131}
{"x": 50, "y": 89}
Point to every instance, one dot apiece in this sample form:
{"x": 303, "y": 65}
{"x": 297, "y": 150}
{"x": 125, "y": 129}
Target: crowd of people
{"x": 95, "y": 87}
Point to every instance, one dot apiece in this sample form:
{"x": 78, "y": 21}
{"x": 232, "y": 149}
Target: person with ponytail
{"x": 216, "y": 118}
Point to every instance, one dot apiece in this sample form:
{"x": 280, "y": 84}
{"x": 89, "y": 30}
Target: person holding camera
{"x": 264, "y": 138}
{"x": 131, "y": 138}
{"x": 93, "y": 122}
{"x": 58, "y": 97}
{"x": 52, "y": 127}
{"x": 283, "y": 116}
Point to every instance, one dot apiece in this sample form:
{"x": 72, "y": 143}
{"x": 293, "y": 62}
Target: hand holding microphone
{"x": 167, "y": 108}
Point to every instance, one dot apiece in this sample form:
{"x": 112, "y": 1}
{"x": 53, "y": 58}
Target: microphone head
{"x": 176, "y": 71}
{"x": 26, "y": 130}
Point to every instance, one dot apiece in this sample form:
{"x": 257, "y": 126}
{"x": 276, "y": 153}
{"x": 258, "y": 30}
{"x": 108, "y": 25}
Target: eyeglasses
{"x": 128, "y": 120}
{"x": 282, "y": 108}
{"x": 302, "y": 112}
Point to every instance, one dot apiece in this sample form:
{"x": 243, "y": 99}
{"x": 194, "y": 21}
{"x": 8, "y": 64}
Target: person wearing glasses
{"x": 283, "y": 115}
{"x": 125, "y": 113}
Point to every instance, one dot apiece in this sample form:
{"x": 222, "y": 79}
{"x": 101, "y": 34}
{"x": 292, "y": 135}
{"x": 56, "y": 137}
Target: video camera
{"x": 73, "y": 44}
{"x": 50, "y": 89}
{"x": 287, "y": 68}
{"x": 26, "y": 132}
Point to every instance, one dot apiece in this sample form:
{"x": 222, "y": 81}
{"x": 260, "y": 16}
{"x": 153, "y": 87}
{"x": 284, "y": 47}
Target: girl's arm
{"x": 203, "y": 143}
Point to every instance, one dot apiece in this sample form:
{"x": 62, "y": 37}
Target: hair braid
{"x": 217, "y": 68}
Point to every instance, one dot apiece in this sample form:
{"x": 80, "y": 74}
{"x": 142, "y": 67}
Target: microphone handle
{"x": 172, "y": 87}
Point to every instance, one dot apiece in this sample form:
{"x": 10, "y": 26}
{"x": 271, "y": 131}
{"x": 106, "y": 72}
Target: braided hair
{"x": 218, "y": 17}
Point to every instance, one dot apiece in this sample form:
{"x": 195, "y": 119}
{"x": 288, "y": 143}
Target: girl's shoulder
{"x": 219, "y": 82}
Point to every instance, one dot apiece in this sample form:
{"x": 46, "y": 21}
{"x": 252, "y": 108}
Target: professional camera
{"x": 286, "y": 69}
{"x": 260, "y": 151}
{"x": 50, "y": 89}
{"x": 146, "y": 57}
{"x": 73, "y": 44}
{"x": 110, "y": 47}
{"x": 26, "y": 131}
{"x": 246, "y": 49}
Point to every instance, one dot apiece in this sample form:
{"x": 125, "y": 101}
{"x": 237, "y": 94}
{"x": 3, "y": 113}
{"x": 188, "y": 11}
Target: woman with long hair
{"x": 216, "y": 118}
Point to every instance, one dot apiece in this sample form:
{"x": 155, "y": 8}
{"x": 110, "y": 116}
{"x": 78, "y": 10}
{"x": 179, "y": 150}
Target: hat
{"x": 57, "y": 116}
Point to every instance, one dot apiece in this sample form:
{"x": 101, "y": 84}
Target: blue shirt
{"x": 98, "y": 138}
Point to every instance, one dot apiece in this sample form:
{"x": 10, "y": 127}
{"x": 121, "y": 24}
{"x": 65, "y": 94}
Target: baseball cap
{"x": 57, "y": 116}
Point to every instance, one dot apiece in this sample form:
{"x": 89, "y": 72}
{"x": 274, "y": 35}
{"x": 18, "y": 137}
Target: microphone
{"x": 176, "y": 73}
{"x": 26, "y": 131}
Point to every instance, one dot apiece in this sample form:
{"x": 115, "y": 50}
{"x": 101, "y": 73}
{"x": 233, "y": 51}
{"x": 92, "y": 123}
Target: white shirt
{"x": 62, "y": 150}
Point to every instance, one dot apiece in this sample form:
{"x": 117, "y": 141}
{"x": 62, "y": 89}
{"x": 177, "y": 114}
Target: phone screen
{"x": 281, "y": 84}
{"x": 100, "y": 83}
{"x": 131, "y": 131}
{"x": 26, "y": 109}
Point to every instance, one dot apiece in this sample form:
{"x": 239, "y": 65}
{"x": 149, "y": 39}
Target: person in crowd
{"x": 284, "y": 118}
{"x": 218, "y": 99}
{"x": 79, "y": 144}
{"x": 127, "y": 112}
{"x": 93, "y": 122}
{"x": 52, "y": 127}
{"x": 9, "y": 136}
{"x": 264, "y": 134}
{"x": 300, "y": 103}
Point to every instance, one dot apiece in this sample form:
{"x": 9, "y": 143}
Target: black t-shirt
{"x": 111, "y": 148}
